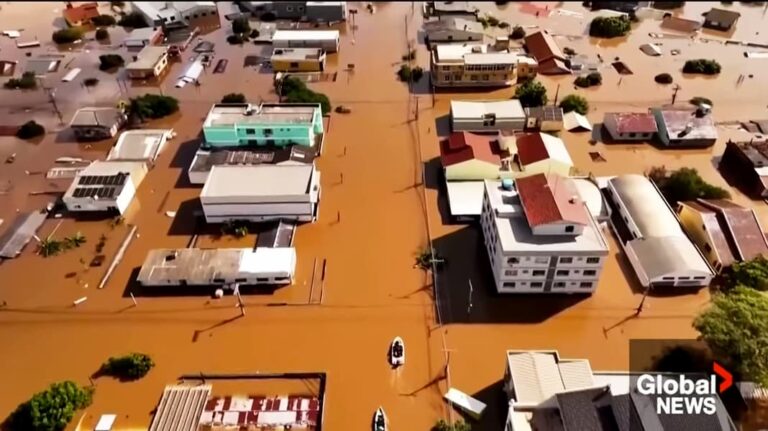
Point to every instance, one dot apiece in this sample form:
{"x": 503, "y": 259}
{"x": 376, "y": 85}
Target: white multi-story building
{"x": 541, "y": 237}
{"x": 261, "y": 193}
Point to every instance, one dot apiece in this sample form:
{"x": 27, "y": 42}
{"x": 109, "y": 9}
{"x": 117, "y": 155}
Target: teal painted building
{"x": 269, "y": 124}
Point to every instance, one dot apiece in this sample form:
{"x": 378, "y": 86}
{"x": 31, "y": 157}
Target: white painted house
{"x": 261, "y": 193}
{"x": 487, "y": 116}
{"x": 105, "y": 186}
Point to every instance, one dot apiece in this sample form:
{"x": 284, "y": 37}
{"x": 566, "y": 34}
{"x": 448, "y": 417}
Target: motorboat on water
{"x": 380, "y": 420}
{"x": 397, "y": 352}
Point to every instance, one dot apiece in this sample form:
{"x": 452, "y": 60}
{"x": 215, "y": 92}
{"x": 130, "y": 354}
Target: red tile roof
{"x": 463, "y": 146}
{"x": 550, "y": 199}
{"x": 742, "y": 226}
{"x": 634, "y": 122}
{"x": 531, "y": 149}
{"x": 86, "y": 11}
{"x": 542, "y": 46}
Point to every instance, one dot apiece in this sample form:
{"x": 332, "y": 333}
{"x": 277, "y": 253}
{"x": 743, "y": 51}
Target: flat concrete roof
{"x": 148, "y": 57}
{"x": 231, "y": 114}
{"x": 203, "y": 266}
{"x": 475, "y": 110}
{"x": 96, "y": 116}
{"x": 142, "y": 144}
{"x": 465, "y": 198}
{"x": 245, "y": 181}
{"x": 281, "y": 35}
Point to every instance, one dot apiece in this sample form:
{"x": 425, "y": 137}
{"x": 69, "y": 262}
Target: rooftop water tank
{"x": 507, "y": 184}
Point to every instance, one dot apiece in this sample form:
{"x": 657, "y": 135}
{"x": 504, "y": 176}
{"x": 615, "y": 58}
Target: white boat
{"x": 397, "y": 352}
{"x": 380, "y": 420}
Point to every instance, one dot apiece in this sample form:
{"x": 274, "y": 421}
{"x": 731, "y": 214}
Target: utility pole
{"x": 674, "y": 95}
{"x": 51, "y": 93}
{"x": 469, "y": 303}
{"x": 639, "y": 308}
{"x": 557, "y": 93}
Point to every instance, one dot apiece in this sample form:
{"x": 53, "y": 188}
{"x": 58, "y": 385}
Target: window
{"x": 585, "y": 284}
{"x": 525, "y": 271}
{"x": 473, "y": 77}
{"x": 537, "y": 284}
{"x": 566, "y": 260}
{"x": 510, "y": 273}
{"x": 282, "y": 279}
{"x": 262, "y": 280}
{"x": 294, "y": 64}
{"x": 194, "y": 15}
{"x": 589, "y": 272}
{"x": 562, "y": 272}
{"x": 300, "y": 8}
{"x": 593, "y": 260}
{"x": 486, "y": 77}
{"x": 559, "y": 284}
{"x": 667, "y": 278}
{"x": 240, "y": 280}
{"x": 684, "y": 278}
{"x": 268, "y": 132}
{"x": 446, "y": 68}
{"x": 538, "y": 272}
{"x": 218, "y": 280}
{"x": 269, "y": 142}
{"x": 699, "y": 278}
{"x": 289, "y": 8}
{"x": 632, "y": 135}
{"x": 250, "y": 131}
{"x": 569, "y": 228}
{"x": 173, "y": 18}
{"x": 541, "y": 260}
{"x": 513, "y": 260}
{"x": 509, "y": 284}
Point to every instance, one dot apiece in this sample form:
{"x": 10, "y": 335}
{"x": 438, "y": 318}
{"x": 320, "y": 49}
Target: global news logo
{"x": 685, "y": 395}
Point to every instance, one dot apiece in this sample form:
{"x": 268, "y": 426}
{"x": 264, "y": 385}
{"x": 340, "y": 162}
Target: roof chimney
{"x": 69, "y": 5}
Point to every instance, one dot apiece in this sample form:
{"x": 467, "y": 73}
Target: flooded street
{"x": 375, "y": 217}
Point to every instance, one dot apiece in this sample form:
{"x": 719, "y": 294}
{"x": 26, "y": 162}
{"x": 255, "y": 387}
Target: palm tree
{"x": 50, "y": 247}
{"x": 77, "y": 239}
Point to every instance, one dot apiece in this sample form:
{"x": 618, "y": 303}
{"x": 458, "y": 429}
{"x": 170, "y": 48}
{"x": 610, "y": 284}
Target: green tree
{"x": 294, "y": 90}
{"x": 517, "y": 33}
{"x": 28, "y": 81}
{"x": 574, "y": 102}
{"x": 531, "y": 93}
{"x": 52, "y": 409}
{"x": 668, "y": 4}
{"x": 663, "y": 78}
{"x": 698, "y": 100}
{"x": 67, "y": 35}
{"x": 459, "y": 425}
{"x": 30, "y": 130}
{"x": 752, "y": 273}
{"x": 104, "y": 20}
{"x": 110, "y": 61}
{"x": 133, "y": 20}
{"x": 233, "y": 98}
{"x": 153, "y": 106}
{"x": 735, "y": 327}
{"x": 702, "y": 66}
{"x": 609, "y": 27}
{"x": 102, "y": 34}
{"x": 685, "y": 184}
{"x": 129, "y": 367}
{"x": 240, "y": 25}
{"x": 75, "y": 240}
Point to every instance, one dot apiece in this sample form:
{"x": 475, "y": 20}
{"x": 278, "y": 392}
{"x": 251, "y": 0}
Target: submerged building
{"x": 218, "y": 267}
{"x": 270, "y": 124}
{"x": 105, "y": 186}
{"x": 472, "y": 65}
{"x": 261, "y": 193}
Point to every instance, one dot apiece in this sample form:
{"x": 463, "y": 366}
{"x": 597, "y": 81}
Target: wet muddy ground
{"x": 372, "y": 223}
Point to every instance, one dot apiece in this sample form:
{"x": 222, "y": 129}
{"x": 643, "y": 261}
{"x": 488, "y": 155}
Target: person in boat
{"x": 397, "y": 350}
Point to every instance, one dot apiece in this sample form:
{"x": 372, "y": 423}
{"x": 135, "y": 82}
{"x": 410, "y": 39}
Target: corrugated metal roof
{"x": 180, "y": 408}
{"x": 20, "y": 233}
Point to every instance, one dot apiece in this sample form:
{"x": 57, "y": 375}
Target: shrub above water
{"x": 129, "y": 367}
{"x": 51, "y": 409}
{"x": 663, "y": 78}
{"x": 702, "y": 66}
{"x": 233, "y": 98}
{"x": 531, "y": 93}
{"x": 153, "y": 106}
{"x": 609, "y": 27}
{"x": 30, "y": 130}
{"x": 67, "y": 35}
{"x": 574, "y": 102}
{"x": 517, "y": 33}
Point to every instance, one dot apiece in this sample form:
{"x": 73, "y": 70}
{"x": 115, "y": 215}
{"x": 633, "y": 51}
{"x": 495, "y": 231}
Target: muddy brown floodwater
{"x": 372, "y": 292}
